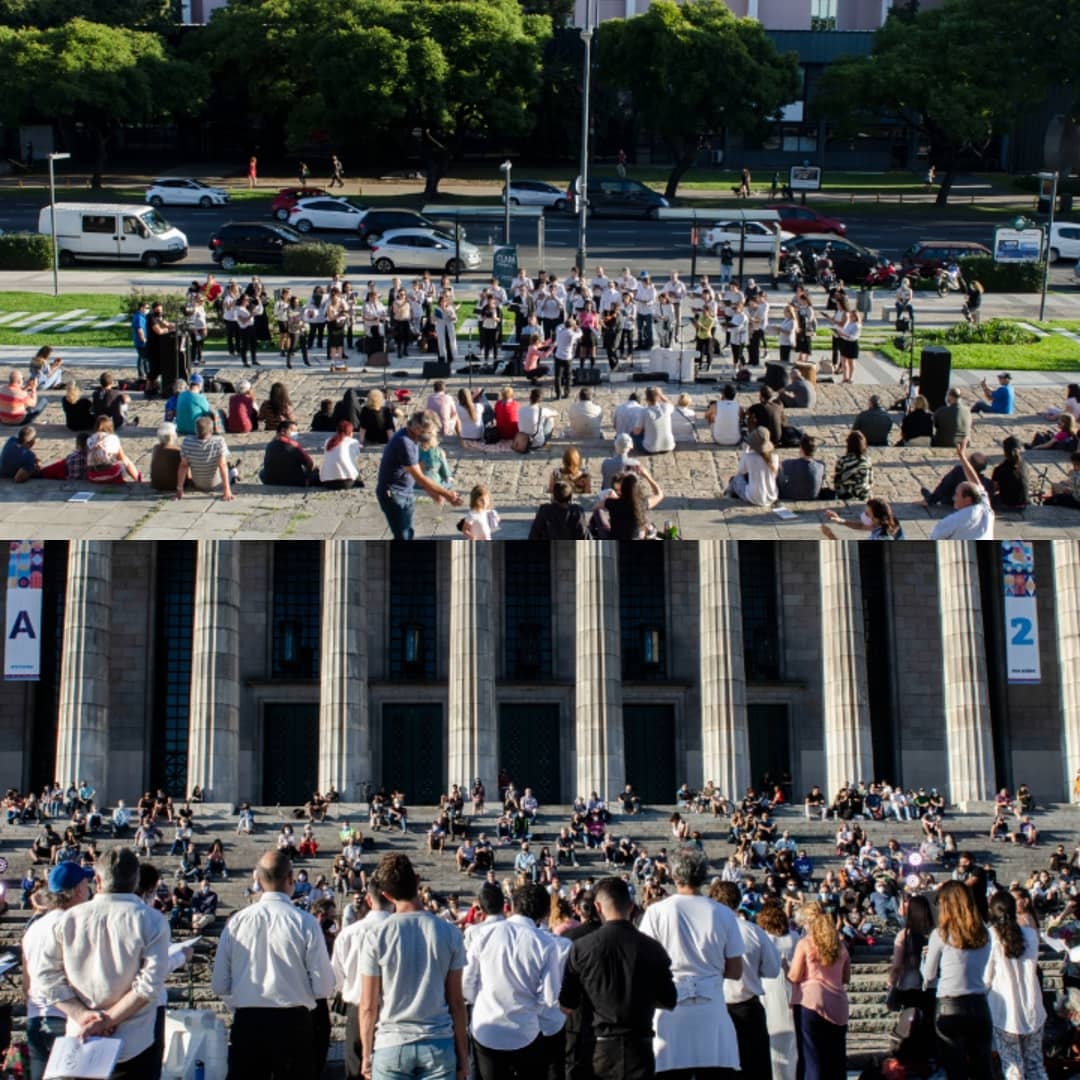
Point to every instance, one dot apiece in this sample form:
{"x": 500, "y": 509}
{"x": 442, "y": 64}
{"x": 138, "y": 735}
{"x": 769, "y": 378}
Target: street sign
{"x": 1018, "y": 245}
{"x": 805, "y": 178}
{"x": 505, "y": 264}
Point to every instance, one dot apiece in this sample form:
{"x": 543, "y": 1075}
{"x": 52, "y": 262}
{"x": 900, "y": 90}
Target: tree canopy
{"x": 136, "y": 14}
{"x": 694, "y": 69}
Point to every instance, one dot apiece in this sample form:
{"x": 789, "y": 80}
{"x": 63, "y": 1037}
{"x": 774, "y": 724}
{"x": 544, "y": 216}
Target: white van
{"x": 1065, "y": 241}
{"x": 108, "y": 231}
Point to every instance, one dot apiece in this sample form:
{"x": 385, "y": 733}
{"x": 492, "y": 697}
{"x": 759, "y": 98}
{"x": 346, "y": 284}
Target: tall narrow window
{"x": 297, "y": 609}
{"x": 643, "y": 610}
{"x": 47, "y": 688}
{"x": 876, "y": 624}
{"x": 761, "y": 624}
{"x": 173, "y": 625}
{"x": 413, "y": 610}
{"x": 527, "y": 610}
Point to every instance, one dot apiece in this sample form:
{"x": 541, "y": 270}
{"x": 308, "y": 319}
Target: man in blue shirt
{"x": 190, "y": 405}
{"x": 18, "y": 461}
{"x": 998, "y": 401}
{"x": 138, "y": 336}
{"x": 400, "y": 472}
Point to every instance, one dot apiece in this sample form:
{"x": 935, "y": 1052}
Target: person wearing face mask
{"x": 876, "y": 518}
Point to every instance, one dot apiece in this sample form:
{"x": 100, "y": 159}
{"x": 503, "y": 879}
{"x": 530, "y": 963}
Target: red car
{"x": 288, "y": 197}
{"x": 801, "y": 219}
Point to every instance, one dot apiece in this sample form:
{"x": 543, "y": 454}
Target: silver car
{"x": 421, "y": 249}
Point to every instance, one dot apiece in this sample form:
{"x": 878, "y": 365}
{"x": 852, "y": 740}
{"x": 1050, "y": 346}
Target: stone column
{"x": 214, "y": 725}
{"x": 844, "y": 693}
{"x": 1065, "y": 564}
{"x": 344, "y": 724}
{"x": 600, "y": 755}
{"x": 474, "y": 729}
{"x": 82, "y": 738}
{"x": 724, "y": 739}
{"x": 968, "y": 734}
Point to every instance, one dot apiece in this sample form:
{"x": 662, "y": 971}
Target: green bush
{"x": 1002, "y": 277}
{"x": 25, "y": 251}
{"x": 172, "y": 302}
{"x": 1032, "y": 184}
{"x": 314, "y": 260}
{"x": 993, "y": 332}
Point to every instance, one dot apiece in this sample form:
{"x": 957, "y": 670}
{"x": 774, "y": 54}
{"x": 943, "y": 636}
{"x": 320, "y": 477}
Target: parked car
{"x": 180, "y": 191}
{"x": 801, "y": 219}
{"x": 110, "y": 231}
{"x": 324, "y": 213}
{"x": 422, "y": 249}
{"x": 1065, "y": 241}
{"x": 760, "y": 237}
{"x": 615, "y": 196}
{"x": 378, "y": 220}
{"x": 925, "y": 257}
{"x": 288, "y": 197}
{"x": 536, "y": 193}
{"x": 852, "y": 262}
{"x": 1076, "y": 270}
{"x": 251, "y": 242}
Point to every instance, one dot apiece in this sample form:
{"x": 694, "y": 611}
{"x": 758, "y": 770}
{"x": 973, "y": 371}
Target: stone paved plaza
{"x": 694, "y": 477}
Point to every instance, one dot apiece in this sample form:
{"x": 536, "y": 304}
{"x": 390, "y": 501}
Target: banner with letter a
{"x": 1021, "y": 615}
{"x": 22, "y": 640}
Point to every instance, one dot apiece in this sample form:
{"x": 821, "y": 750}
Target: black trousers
{"x": 562, "y": 378}
{"x": 752, "y": 1031}
{"x": 965, "y": 1033}
{"x": 553, "y": 1056}
{"x": 353, "y": 1049}
{"x": 272, "y": 1044}
{"x": 624, "y": 1059}
{"x": 144, "y": 1066}
{"x": 320, "y": 1029}
{"x": 524, "y": 1064}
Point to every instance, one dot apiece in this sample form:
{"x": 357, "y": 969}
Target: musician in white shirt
{"x": 645, "y": 296}
{"x": 271, "y": 968}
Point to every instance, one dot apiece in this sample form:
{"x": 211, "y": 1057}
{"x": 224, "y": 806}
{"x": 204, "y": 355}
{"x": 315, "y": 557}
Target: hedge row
{"x": 1003, "y": 277}
{"x": 313, "y": 259}
{"x": 25, "y": 251}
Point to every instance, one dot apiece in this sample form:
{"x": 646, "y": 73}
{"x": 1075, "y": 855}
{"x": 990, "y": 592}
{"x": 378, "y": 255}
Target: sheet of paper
{"x": 177, "y": 947}
{"x": 91, "y": 1059}
{"x": 81, "y": 496}
{"x": 7, "y": 963}
{"x": 784, "y": 513}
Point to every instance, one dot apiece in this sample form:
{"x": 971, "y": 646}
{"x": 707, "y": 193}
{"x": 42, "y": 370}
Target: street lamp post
{"x": 1052, "y": 179}
{"x": 506, "y": 166}
{"x": 52, "y": 221}
{"x": 583, "y": 181}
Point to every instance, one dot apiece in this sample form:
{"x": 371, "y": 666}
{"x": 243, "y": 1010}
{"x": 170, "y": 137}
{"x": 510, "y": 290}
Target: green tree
{"x": 94, "y": 75}
{"x": 691, "y": 70}
{"x": 958, "y": 74}
{"x": 42, "y": 14}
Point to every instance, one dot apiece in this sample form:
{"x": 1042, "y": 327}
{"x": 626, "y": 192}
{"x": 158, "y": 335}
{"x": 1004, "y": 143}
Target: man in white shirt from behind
{"x": 972, "y": 518}
{"x": 655, "y": 422}
{"x": 490, "y": 901}
{"x": 345, "y": 962}
{"x": 271, "y": 967}
{"x": 584, "y": 416}
{"x": 510, "y": 982}
{"x": 104, "y": 966}
{"x": 743, "y": 995}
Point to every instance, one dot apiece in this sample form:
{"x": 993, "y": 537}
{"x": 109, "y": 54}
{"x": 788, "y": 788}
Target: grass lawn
{"x": 1053, "y": 353}
{"x": 96, "y": 306}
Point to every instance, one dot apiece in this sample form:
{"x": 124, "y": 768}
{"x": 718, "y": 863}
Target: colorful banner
{"x": 1021, "y": 614}
{"x": 22, "y": 640}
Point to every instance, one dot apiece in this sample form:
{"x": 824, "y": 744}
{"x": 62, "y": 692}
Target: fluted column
{"x": 600, "y": 754}
{"x": 1065, "y": 563}
{"x": 473, "y": 723}
{"x": 968, "y": 735}
{"x": 344, "y": 724}
{"x": 82, "y": 739}
{"x": 844, "y": 692}
{"x": 724, "y": 737}
{"x": 214, "y": 726}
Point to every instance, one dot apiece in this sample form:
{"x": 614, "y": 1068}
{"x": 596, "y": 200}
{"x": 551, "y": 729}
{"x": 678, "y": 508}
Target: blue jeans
{"x": 431, "y": 1059}
{"x": 398, "y": 510}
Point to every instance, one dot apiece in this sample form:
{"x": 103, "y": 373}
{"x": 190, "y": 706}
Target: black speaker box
{"x": 935, "y": 372}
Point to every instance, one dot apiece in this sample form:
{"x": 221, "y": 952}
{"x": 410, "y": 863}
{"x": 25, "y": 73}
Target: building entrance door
{"x": 770, "y": 743}
{"x": 649, "y": 745}
{"x": 413, "y": 756}
{"x": 529, "y": 748}
{"x": 290, "y": 752}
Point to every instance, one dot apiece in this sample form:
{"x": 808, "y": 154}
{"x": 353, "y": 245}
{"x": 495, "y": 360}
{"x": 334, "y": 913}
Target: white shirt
{"x": 1013, "y": 991}
{"x": 470, "y": 428}
{"x": 515, "y": 975}
{"x": 345, "y": 960}
{"x": 552, "y": 1018}
{"x": 974, "y": 522}
{"x": 656, "y": 420}
{"x": 760, "y": 961}
{"x": 628, "y": 417}
{"x": 566, "y": 342}
{"x": 675, "y": 289}
{"x": 339, "y": 462}
{"x": 33, "y": 947}
{"x": 272, "y": 955}
{"x": 477, "y": 932}
{"x": 100, "y": 950}
{"x": 585, "y": 420}
{"x": 121, "y": 816}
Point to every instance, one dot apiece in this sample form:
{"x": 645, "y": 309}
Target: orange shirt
{"x": 819, "y": 987}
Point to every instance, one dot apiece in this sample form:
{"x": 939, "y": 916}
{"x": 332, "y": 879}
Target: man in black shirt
{"x": 624, "y": 976}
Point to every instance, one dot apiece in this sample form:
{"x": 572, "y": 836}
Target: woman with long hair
{"x": 277, "y": 407}
{"x": 819, "y": 973}
{"x": 628, "y": 513}
{"x": 877, "y": 519}
{"x": 853, "y": 475}
{"x": 338, "y": 470}
{"x": 904, "y": 974}
{"x": 1014, "y": 993}
{"x": 954, "y": 966}
{"x": 755, "y": 481}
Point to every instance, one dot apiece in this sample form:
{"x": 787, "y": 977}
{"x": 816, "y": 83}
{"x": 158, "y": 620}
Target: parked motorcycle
{"x": 947, "y": 279}
{"x": 792, "y": 269}
{"x": 886, "y": 275}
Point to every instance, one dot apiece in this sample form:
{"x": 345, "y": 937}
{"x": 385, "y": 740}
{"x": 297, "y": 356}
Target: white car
{"x": 325, "y": 212}
{"x": 180, "y": 191}
{"x": 760, "y": 237}
{"x": 1065, "y": 240}
{"x": 421, "y": 249}
{"x": 536, "y": 193}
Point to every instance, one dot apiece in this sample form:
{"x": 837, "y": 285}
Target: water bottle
{"x": 200, "y": 1071}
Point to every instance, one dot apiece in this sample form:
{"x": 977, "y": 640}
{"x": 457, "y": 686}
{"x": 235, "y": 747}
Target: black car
{"x": 378, "y": 220}
{"x": 251, "y": 242}
{"x": 851, "y": 261}
{"x": 616, "y": 196}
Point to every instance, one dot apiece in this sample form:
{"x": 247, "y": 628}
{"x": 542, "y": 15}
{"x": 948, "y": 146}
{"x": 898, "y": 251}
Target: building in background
{"x": 262, "y": 670}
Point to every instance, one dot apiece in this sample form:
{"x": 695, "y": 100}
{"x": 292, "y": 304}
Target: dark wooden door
{"x": 414, "y": 757}
{"x": 770, "y": 742}
{"x": 649, "y": 745}
{"x": 290, "y": 753}
{"x": 529, "y": 748}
